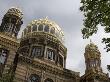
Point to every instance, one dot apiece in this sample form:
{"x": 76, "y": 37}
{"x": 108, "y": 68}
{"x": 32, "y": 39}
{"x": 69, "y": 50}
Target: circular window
{"x": 48, "y": 80}
{"x": 34, "y": 78}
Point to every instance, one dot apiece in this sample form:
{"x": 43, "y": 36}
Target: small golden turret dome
{"x": 15, "y": 11}
{"x": 92, "y": 50}
{"x": 44, "y": 25}
{"x": 91, "y": 47}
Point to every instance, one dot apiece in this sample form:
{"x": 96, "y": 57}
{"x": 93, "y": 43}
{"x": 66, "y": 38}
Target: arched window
{"x": 29, "y": 29}
{"x": 40, "y": 28}
{"x": 52, "y": 30}
{"x": 34, "y": 28}
{"x": 48, "y": 80}
{"x": 3, "y": 55}
{"x": 36, "y": 51}
{"x": 46, "y": 29}
{"x": 34, "y": 78}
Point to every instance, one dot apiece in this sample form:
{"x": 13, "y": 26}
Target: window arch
{"x": 40, "y": 28}
{"x": 36, "y": 51}
{"x": 34, "y": 28}
{"x": 50, "y": 54}
{"x": 34, "y": 78}
{"x": 29, "y": 29}
{"x": 25, "y": 31}
{"x": 3, "y": 55}
{"x": 3, "y": 58}
{"x": 61, "y": 60}
{"x": 48, "y": 80}
{"x": 46, "y": 29}
{"x": 52, "y": 30}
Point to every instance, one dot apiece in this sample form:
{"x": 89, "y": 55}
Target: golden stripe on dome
{"x": 54, "y": 29}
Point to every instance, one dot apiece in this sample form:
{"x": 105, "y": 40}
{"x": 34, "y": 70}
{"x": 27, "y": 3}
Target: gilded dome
{"x": 44, "y": 25}
{"x": 92, "y": 47}
{"x": 15, "y": 11}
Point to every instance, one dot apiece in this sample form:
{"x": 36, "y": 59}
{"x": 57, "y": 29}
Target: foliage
{"x": 96, "y": 12}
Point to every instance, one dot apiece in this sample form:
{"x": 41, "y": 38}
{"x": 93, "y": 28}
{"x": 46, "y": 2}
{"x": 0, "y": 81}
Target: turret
{"x": 92, "y": 58}
{"x": 11, "y": 22}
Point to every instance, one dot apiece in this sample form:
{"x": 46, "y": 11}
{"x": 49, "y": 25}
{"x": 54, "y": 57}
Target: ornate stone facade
{"x": 40, "y": 55}
{"x": 9, "y": 43}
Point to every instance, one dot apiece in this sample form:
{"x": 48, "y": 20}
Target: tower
{"x": 93, "y": 72}
{"x": 92, "y": 58}
{"x": 11, "y": 22}
{"x": 42, "y": 54}
{"x": 9, "y": 29}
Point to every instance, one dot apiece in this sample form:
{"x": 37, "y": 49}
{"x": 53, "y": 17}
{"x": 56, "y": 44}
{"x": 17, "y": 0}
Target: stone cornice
{"x": 8, "y": 42}
{"x": 52, "y": 69}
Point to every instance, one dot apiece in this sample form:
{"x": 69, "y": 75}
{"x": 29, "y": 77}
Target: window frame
{"x": 40, "y": 27}
{"x": 52, "y": 30}
{"x": 46, "y": 27}
{"x": 62, "y": 59}
{"x": 35, "y": 75}
{"x": 33, "y": 27}
{"x": 7, "y": 53}
{"x": 54, "y": 54}
{"x": 36, "y": 56}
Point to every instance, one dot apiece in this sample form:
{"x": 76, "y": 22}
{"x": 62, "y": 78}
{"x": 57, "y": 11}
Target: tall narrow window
{"x": 50, "y": 54}
{"x": 60, "y": 60}
{"x": 29, "y": 29}
{"x": 36, "y": 51}
{"x": 52, "y": 30}
{"x": 48, "y": 80}
{"x": 34, "y": 28}
{"x": 3, "y": 56}
{"x": 25, "y": 30}
{"x": 46, "y": 29}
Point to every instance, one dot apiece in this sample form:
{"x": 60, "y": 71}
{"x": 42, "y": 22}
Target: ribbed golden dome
{"x": 44, "y": 25}
{"x": 15, "y": 11}
{"x": 92, "y": 47}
